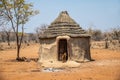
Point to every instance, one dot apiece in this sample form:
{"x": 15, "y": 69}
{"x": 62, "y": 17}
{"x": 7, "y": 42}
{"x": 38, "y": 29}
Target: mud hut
{"x": 64, "y": 40}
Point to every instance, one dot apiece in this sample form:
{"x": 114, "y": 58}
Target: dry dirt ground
{"x": 105, "y": 67}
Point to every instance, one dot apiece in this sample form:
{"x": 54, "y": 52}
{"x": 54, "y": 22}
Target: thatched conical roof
{"x": 64, "y": 25}
{"x": 63, "y": 18}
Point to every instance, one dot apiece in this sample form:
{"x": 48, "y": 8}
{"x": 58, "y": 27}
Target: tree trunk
{"x": 18, "y": 48}
{"x": 19, "y": 42}
{"x": 18, "y": 52}
{"x": 106, "y": 44}
{"x": 8, "y": 40}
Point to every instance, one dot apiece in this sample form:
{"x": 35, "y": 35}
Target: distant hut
{"x": 64, "y": 36}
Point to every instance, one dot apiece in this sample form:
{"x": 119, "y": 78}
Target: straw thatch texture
{"x": 64, "y": 25}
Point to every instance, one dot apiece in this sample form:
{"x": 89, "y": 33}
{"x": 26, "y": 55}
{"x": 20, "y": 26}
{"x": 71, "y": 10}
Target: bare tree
{"x": 113, "y": 34}
{"x": 7, "y": 31}
{"x": 95, "y": 34}
{"x": 107, "y": 37}
{"x": 2, "y": 35}
{"x": 116, "y": 33}
{"x": 40, "y": 30}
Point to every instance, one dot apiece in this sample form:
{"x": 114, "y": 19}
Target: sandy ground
{"x": 105, "y": 67}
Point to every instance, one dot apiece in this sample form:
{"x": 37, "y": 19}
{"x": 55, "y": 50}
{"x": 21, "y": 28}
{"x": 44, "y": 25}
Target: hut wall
{"x": 48, "y": 50}
{"x": 80, "y": 49}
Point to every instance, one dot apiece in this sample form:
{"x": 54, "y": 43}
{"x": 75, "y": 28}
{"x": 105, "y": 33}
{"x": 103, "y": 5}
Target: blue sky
{"x": 97, "y": 14}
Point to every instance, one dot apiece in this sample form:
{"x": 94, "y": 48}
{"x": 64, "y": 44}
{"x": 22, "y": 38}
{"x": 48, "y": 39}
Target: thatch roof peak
{"x": 63, "y": 18}
{"x": 64, "y": 12}
{"x": 64, "y": 25}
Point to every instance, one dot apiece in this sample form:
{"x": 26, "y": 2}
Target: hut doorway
{"x": 62, "y": 50}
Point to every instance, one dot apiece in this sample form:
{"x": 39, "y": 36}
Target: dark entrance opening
{"x": 62, "y": 50}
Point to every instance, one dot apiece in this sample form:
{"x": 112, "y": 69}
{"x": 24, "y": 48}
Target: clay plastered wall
{"x": 80, "y": 48}
{"x": 48, "y": 49}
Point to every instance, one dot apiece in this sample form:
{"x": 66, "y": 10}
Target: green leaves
{"x": 26, "y": 7}
{"x": 18, "y": 11}
{"x": 1, "y": 5}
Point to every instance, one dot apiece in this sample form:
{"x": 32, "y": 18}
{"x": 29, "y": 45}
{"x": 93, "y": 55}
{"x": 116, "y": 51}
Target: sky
{"x": 95, "y": 14}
